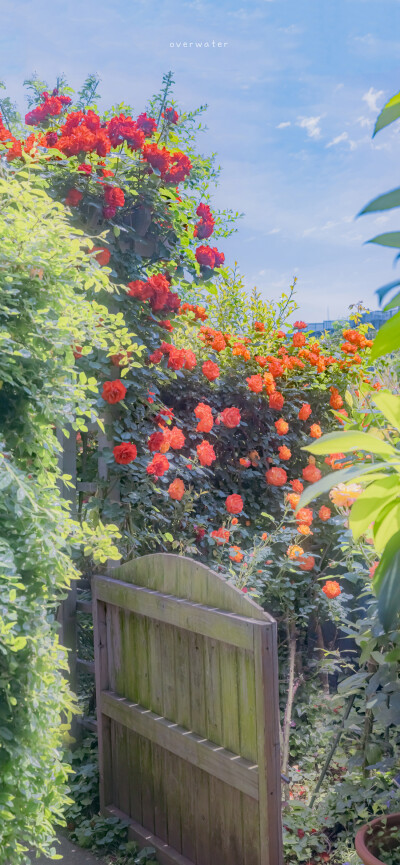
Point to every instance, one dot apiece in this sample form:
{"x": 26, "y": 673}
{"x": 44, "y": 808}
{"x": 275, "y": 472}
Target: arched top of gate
{"x": 185, "y": 578}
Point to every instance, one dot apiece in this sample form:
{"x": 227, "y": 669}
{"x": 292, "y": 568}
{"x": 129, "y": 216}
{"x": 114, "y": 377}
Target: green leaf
{"x": 351, "y": 440}
{"x": 366, "y": 508}
{"x": 390, "y": 112}
{"x": 383, "y": 202}
{"x": 386, "y": 525}
{"x": 387, "y": 338}
{"x": 384, "y": 290}
{"x": 390, "y": 238}
{"x": 389, "y": 405}
{"x": 353, "y": 683}
{"x": 168, "y": 537}
{"x": 387, "y": 582}
{"x": 343, "y": 476}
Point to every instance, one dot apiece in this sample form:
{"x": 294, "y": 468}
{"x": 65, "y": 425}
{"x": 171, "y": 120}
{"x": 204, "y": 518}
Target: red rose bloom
{"x": 210, "y": 370}
{"x": 113, "y": 391}
{"x": 297, "y": 486}
{"x": 103, "y": 255}
{"x": 146, "y": 124}
{"x": 125, "y": 453}
{"x": 156, "y": 356}
{"x": 205, "y": 256}
{"x": 276, "y": 477}
{"x": 177, "y": 357}
{"x": 85, "y": 168}
{"x": 315, "y": 431}
{"x": 114, "y": 196}
{"x": 304, "y": 412}
{"x": 276, "y": 400}
{"x": 158, "y": 465}
{"x": 170, "y": 115}
{"x": 312, "y": 474}
{"x": 335, "y": 401}
{"x": 324, "y": 513}
{"x": 176, "y": 438}
{"x": 255, "y": 383}
{"x": 190, "y": 360}
{"x": 176, "y": 489}
{"x": 305, "y": 515}
{"x": 109, "y": 212}
{"x": 73, "y": 197}
{"x": 205, "y": 453}
{"x": 221, "y": 535}
{"x": 300, "y": 325}
{"x": 155, "y": 441}
{"x": 284, "y": 452}
{"x": 307, "y": 563}
{"x": 230, "y": 417}
{"x": 234, "y": 504}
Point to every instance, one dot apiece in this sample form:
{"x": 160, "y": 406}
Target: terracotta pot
{"x": 365, "y": 846}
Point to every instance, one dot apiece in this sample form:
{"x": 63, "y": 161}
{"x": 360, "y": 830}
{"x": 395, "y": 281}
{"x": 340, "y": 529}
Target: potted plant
{"x": 378, "y": 842}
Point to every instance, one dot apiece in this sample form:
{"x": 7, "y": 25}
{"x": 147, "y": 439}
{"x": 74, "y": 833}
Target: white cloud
{"x": 371, "y": 99}
{"x": 339, "y": 138}
{"x": 364, "y": 121}
{"x": 310, "y": 124}
{"x": 284, "y": 125}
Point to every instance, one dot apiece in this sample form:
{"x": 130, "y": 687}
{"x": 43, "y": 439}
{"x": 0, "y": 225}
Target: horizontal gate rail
{"x": 223, "y": 764}
{"x": 208, "y": 621}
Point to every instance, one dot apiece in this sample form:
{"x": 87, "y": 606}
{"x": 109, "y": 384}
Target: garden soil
{"x": 72, "y": 855}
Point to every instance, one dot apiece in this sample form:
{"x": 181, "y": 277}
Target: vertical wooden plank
{"x": 217, "y": 819}
{"x": 229, "y": 697}
{"x": 213, "y": 691}
{"x": 146, "y": 774}
{"x": 203, "y": 851}
{"x": 168, "y": 671}
{"x": 266, "y": 670}
{"x": 121, "y": 679}
{"x": 189, "y": 787}
{"x": 172, "y": 781}
{"x": 141, "y": 655}
{"x": 251, "y": 831}
{"x": 131, "y": 670}
{"x": 102, "y": 684}
{"x": 182, "y": 678}
{"x": 247, "y": 705}
{"x": 160, "y": 793}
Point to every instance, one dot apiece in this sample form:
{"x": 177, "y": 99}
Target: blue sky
{"x": 292, "y": 101}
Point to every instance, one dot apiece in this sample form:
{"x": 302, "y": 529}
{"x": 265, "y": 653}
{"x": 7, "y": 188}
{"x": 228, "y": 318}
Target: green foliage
{"x": 44, "y": 309}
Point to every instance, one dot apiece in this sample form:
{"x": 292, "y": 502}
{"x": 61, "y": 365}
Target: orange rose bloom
{"x": 315, "y": 431}
{"x": 234, "y": 504}
{"x": 113, "y": 391}
{"x": 244, "y": 462}
{"x": 276, "y": 400}
{"x": 284, "y": 453}
{"x": 281, "y": 426}
{"x": 176, "y": 489}
{"x": 335, "y": 401}
{"x": 158, "y": 466}
{"x": 295, "y": 552}
{"x": 125, "y": 453}
{"x": 262, "y": 361}
{"x": 293, "y": 500}
{"x": 203, "y": 412}
{"x": 259, "y": 326}
{"x": 373, "y": 569}
{"x": 332, "y": 458}
{"x": 312, "y": 474}
{"x": 307, "y": 564}
{"x": 324, "y": 513}
{"x": 299, "y": 340}
{"x": 176, "y": 438}
{"x": 269, "y": 382}
{"x": 255, "y": 383}
{"x": 230, "y": 417}
{"x": 276, "y": 477}
{"x": 234, "y": 521}
{"x": 103, "y": 255}
{"x": 190, "y": 360}
{"x": 304, "y": 529}
{"x": 331, "y": 589}
{"x": 305, "y": 411}
{"x": 305, "y": 515}
{"x": 218, "y": 343}
{"x": 255, "y": 458}
{"x": 210, "y": 370}
{"x": 205, "y": 453}
{"x": 297, "y": 486}
{"x": 238, "y": 555}
{"x": 264, "y": 536}
{"x": 221, "y": 535}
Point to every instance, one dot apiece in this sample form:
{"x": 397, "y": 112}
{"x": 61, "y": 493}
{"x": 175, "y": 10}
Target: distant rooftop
{"x": 376, "y": 318}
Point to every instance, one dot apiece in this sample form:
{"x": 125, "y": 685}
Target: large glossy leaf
{"x": 386, "y": 525}
{"x": 390, "y": 112}
{"x": 343, "y": 476}
{"x": 387, "y": 338}
{"x": 383, "y": 202}
{"x": 384, "y": 290}
{"x": 369, "y": 504}
{"x": 393, "y": 304}
{"x": 351, "y": 440}
{"x": 389, "y": 238}
{"x": 387, "y": 583}
{"x": 389, "y": 405}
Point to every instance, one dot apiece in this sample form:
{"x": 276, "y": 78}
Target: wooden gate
{"x": 187, "y": 708}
